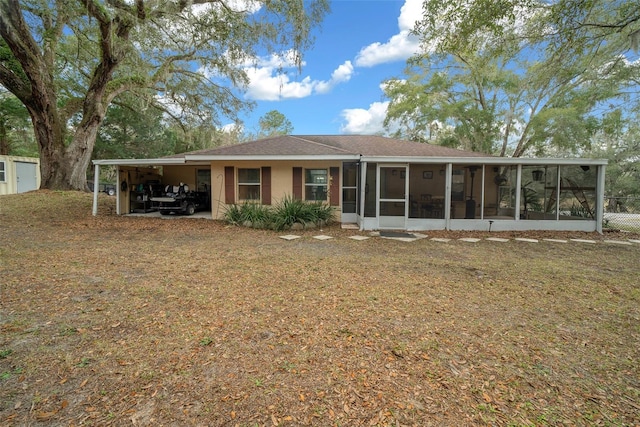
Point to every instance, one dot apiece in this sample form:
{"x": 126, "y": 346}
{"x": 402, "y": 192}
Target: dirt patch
{"x": 136, "y": 321}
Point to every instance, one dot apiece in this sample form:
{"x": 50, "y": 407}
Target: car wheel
{"x": 190, "y": 210}
{"x": 111, "y": 192}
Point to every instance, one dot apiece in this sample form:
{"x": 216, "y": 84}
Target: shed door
{"x": 26, "y": 177}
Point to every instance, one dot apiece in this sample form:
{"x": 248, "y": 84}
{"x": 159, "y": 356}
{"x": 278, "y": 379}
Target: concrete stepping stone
{"x": 583, "y": 241}
{"x": 556, "y": 240}
{"x": 322, "y": 237}
{"x": 359, "y": 238}
{"x": 523, "y": 239}
{"x": 496, "y": 239}
{"x": 618, "y": 242}
{"x": 470, "y": 239}
{"x": 290, "y": 237}
{"x": 440, "y": 239}
{"x": 634, "y": 241}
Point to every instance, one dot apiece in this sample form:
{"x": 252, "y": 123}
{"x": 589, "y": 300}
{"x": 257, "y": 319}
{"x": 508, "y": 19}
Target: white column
{"x": 96, "y": 187}
{"x": 447, "y": 196}
{"x": 361, "y": 190}
{"x": 600, "y": 198}
{"x": 518, "y": 189}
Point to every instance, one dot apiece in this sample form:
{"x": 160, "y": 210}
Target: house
{"x": 19, "y": 174}
{"x": 379, "y": 183}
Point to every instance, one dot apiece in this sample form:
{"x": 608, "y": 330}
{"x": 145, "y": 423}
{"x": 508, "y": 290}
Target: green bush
{"x": 254, "y": 213}
{"x": 281, "y": 216}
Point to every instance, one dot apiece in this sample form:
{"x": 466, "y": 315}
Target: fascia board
{"x": 484, "y": 160}
{"x": 196, "y": 157}
{"x": 140, "y": 162}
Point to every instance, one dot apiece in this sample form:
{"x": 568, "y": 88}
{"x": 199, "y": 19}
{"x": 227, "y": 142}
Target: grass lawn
{"x": 141, "y": 321}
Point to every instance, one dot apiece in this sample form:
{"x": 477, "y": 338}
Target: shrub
{"x": 289, "y": 211}
{"x": 254, "y": 213}
{"x": 281, "y": 216}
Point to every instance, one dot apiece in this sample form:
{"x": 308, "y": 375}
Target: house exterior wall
{"x": 453, "y": 195}
{"x": 8, "y": 173}
{"x": 281, "y": 181}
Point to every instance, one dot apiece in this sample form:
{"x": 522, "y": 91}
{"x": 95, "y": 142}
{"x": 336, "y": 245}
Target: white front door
{"x": 393, "y": 188}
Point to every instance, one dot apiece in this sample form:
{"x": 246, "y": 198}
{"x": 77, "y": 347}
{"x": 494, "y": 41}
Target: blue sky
{"x": 337, "y": 91}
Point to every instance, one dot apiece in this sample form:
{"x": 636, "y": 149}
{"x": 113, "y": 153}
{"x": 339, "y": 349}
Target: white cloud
{"x": 232, "y": 128}
{"x": 248, "y": 6}
{"x": 365, "y": 122}
{"x": 400, "y": 46}
{"x": 341, "y": 74}
{"x": 269, "y": 82}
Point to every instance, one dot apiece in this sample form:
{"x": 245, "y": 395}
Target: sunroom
{"x": 491, "y": 194}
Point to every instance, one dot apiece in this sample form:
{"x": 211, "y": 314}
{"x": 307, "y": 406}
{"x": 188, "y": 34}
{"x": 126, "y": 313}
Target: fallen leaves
{"x": 191, "y": 322}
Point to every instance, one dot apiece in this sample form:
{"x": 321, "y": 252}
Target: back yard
{"x": 147, "y": 321}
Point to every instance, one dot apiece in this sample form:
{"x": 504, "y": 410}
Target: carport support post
{"x": 96, "y": 186}
{"x": 362, "y": 190}
{"x": 600, "y": 198}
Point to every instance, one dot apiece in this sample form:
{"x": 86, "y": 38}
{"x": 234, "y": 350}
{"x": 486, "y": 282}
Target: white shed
{"x": 19, "y": 174}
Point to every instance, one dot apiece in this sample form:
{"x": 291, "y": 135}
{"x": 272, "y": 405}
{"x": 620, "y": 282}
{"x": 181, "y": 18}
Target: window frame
{"x": 248, "y": 184}
{"x": 308, "y": 185}
{"x": 3, "y": 171}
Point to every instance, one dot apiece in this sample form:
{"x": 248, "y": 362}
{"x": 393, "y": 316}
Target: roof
{"x": 333, "y": 145}
{"x": 367, "y": 148}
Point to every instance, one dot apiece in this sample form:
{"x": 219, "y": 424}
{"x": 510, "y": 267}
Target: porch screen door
{"x": 392, "y": 196}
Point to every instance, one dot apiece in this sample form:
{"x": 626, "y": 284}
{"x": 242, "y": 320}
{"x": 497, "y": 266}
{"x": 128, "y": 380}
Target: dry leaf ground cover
{"x": 140, "y": 321}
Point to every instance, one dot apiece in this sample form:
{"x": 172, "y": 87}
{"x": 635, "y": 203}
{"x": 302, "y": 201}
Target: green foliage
{"x": 16, "y": 135}
{"x": 274, "y": 123}
{"x": 493, "y": 78}
{"x": 255, "y": 213}
{"x": 133, "y": 129}
{"x": 618, "y": 140}
{"x": 183, "y": 59}
{"x": 282, "y": 216}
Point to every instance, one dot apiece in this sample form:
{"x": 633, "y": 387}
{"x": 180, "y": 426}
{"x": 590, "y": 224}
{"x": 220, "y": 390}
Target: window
{"x": 3, "y": 176}
{"x": 315, "y": 184}
{"x": 249, "y": 184}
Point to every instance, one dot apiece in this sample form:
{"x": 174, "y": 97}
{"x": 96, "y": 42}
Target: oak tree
{"x": 68, "y": 60}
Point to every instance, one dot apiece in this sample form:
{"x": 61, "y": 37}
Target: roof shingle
{"x": 322, "y": 145}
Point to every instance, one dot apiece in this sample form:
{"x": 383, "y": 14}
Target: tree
{"x": 134, "y": 130}
{"x": 618, "y": 140}
{"x": 573, "y": 23}
{"x": 68, "y": 60}
{"x": 508, "y": 87}
{"x": 15, "y": 131}
{"x": 274, "y": 123}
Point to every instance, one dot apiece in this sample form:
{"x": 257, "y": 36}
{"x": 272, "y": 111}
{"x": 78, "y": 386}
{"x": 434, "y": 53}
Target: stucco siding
{"x": 281, "y": 180}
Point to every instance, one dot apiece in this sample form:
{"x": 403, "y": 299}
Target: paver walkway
{"x": 412, "y": 237}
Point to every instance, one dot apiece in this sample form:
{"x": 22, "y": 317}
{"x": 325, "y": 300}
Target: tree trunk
{"x": 64, "y": 168}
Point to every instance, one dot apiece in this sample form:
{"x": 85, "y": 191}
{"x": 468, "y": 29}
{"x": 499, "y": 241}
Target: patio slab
{"x": 497, "y": 239}
{"x": 556, "y": 240}
{"x": 522, "y": 239}
{"x": 469, "y": 239}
